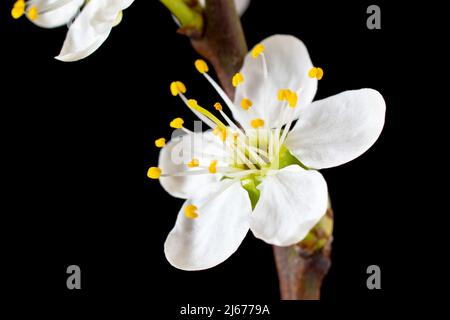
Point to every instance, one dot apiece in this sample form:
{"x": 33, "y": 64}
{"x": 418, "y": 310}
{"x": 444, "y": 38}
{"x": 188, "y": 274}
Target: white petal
{"x": 91, "y": 28}
{"x": 241, "y": 5}
{"x": 56, "y": 13}
{"x": 217, "y": 232}
{"x": 338, "y": 129}
{"x": 290, "y": 204}
{"x": 288, "y": 64}
{"x": 179, "y": 151}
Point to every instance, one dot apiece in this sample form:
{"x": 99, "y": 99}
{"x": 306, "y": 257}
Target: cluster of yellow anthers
{"x": 177, "y": 88}
{"x": 20, "y": 8}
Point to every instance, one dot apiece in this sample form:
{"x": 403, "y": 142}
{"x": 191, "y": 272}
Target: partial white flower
{"x": 91, "y": 28}
{"x": 258, "y": 174}
{"x": 89, "y": 22}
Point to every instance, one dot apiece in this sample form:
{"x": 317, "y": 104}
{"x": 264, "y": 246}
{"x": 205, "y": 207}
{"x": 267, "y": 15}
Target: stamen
{"x": 18, "y": 9}
{"x": 292, "y": 99}
{"x": 177, "y": 87}
{"x": 154, "y": 173}
{"x": 264, "y": 65}
{"x": 161, "y": 142}
{"x": 193, "y": 163}
{"x": 276, "y": 146}
{"x": 223, "y": 95}
{"x": 246, "y": 103}
{"x": 213, "y": 166}
{"x": 316, "y": 73}
{"x": 177, "y": 123}
{"x": 292, "y": 103}
{"x": 218, "y": 107}
{"x": 194, "y": 105}
{"x": 241, "y": 156}
{"x": 201, "y": 66}
{"x": 257, "y": 50}
{"x": 237, "y": 79}
{"x": 257, "y": 123}
{"x": 260, "y": 151}
{"x": 198, "y": 114}
{"x": 33, "y": 13}
{"x": 319, "y": 74}
{"x": 190, "y": 211}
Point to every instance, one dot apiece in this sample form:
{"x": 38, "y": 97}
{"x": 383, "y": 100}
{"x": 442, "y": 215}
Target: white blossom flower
{"x": 88, "y": 28}
{"x": 260, "y": 174}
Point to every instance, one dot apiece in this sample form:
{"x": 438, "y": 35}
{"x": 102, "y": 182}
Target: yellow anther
{"x": 192, "y": 103}
{"x": 193, "y": 163}
{"x": 257, "y": 123}
{"x": 235, "y": 137}
{"x": 246, "y": 103}
{"x": 313, "y": 72}
{"x": 18, "y": 9}
{"x": 292, "y": 99}
{"x": 33, "y": 13}
{"x": 20, "y": 3}
{"x": 176, "y": 87}
{"x": 284, "y": 94}
{"x": 161, "y": 142}
{"x": 190, "y": 211}
{"x": 316, "y": 73}
{"x": 201, "y": 66}
{"x": 177, "y": 123}
{"x": 237, "y": 78}
{"x": 319, "y": 74}
{"x": 218, "y": 106}
{"x": 213, "y": 166}
{"x": 257, "y": 50}
{"x": 154, "y": 173}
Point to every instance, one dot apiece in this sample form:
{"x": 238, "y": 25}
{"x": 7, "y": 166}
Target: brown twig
{"x": 301, "y": 270}
{"x": 222, "y": 43}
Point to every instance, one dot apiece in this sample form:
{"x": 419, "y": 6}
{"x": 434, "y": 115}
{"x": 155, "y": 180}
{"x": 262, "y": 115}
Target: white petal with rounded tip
{"x": 179, "y": 151}
{"x": 217, "y": 232}
{"x": 288, "y": 64}
{"x": 336, "y": 130}
{"x": 56, "y": 13}
{"x": 291, "y": 202}
{"x": 241, "y": 5}
{"x": 91, "y": 28}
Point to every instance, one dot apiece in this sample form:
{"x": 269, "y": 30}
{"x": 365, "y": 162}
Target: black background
{"x": 77, "y": 140}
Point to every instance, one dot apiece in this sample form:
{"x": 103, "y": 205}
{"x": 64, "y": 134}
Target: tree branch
{"x": 302, "y": 267}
